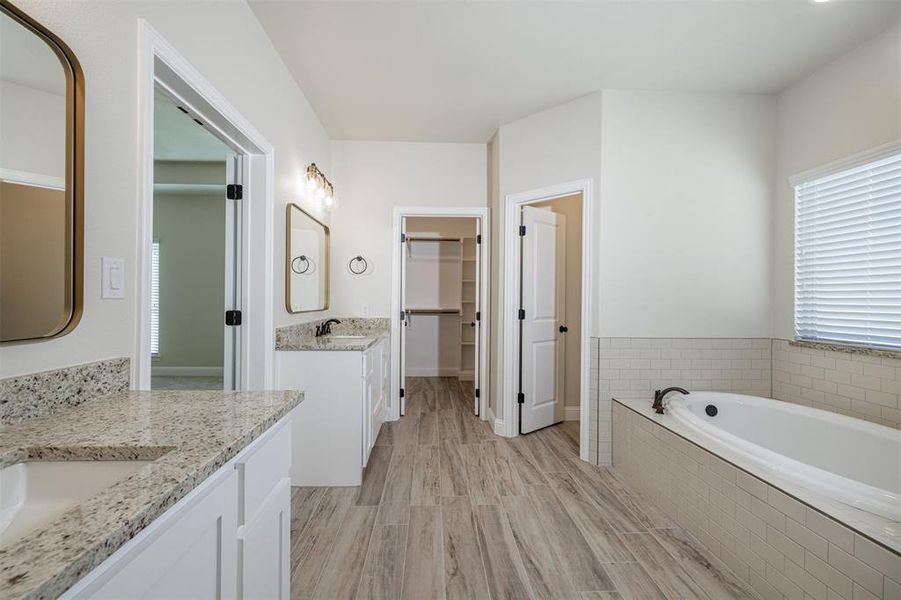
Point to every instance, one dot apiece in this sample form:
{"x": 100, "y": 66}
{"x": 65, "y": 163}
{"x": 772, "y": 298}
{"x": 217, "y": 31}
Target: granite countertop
{"x": 303, "y": 337}
{"x": 187, "y": 435}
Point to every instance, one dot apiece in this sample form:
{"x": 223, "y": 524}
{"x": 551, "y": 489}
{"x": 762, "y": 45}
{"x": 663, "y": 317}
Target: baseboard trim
{"x": 439, "y": 372}
{"x": 572, "y": 413}
{"x": 186, "y": 371}
{"x": 499, "y": 428}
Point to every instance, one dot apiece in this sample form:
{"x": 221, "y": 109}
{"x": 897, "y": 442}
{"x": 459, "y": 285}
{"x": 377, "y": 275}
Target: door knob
{"x": 564, "y": 329}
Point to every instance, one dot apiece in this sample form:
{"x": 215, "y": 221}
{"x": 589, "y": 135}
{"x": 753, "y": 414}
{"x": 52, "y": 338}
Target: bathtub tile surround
{"x": 39, "y": 394}
{"x": 189, "y": 434}
{"x": 858, "y": 384}
{"x": 780, "y": 546}
{"x": 303, "y": 335}
{"x": 635, "y": 367}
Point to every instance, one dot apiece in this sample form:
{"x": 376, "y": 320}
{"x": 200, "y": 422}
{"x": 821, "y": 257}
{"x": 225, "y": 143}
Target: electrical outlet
{"x": 364, "y": 310}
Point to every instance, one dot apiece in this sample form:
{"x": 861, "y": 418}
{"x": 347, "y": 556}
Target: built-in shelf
{"x": 469, "y": 281}
{"x": 468, "y": 343}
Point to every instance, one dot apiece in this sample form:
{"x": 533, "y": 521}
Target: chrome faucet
{"x": 326, "y": 328}
{"x": 658, "y": 405}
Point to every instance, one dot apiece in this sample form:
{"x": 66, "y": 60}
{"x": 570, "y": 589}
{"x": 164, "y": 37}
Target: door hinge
{"x": 479, "y": 238}
{"x": 521, "y": 398}
{"x": 401, "y": 392}
{"x": 477, "y": 392}
{"x": 522, "y": 230}
{"x": 478, "y": 315}
{"x": 403, "y": 238}
{"x": 403, "y": 315}
{"x": 234, "y": 191}
{"x": 522, "y": 314}
{"x": 233, "y": 318}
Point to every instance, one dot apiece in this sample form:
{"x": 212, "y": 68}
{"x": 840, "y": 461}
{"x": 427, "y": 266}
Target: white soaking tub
{"x": 850, "y": 460}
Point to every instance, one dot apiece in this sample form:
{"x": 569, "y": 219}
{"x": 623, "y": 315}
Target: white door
{"x": 234, "y": 219}
{"x": 403, "y": 313}
{"x": 541, "y": 317}
{"x": 478, "y": 317}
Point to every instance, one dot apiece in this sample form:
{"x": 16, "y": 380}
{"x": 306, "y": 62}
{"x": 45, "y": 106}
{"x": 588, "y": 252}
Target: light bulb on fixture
{"x": 320, "y": 193}
{"x": 329, "y": 200}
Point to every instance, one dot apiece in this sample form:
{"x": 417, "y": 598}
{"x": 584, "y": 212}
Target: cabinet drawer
{"x": 265, "y": 463}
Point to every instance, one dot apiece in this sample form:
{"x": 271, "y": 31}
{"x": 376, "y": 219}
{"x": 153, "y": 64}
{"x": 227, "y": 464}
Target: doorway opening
{"x": 547, "y": 307}
{"x": 194, "y": 270}
{"x": 205, "y": 251}
{"x": 440, "y": 320}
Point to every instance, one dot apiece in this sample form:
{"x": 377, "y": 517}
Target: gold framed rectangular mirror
{"x": 306, "y": 262}
{"x": 41, "y": 181}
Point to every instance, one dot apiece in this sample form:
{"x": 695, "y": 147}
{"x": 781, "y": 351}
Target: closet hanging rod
{"x": 433, "y": 311}
{"x": 432, "y": 239}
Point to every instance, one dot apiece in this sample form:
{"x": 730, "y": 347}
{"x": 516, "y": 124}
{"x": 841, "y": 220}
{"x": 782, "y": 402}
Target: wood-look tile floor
{"x": 448, "y": 510}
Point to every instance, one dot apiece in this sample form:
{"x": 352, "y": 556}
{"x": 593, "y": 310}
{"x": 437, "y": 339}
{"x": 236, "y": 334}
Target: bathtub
{"x": 843, "y": 458}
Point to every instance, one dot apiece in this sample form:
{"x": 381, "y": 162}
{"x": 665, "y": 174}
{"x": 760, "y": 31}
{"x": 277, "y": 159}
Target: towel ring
{"x": 301, "y": 260}
{"x": 355, "y": 260}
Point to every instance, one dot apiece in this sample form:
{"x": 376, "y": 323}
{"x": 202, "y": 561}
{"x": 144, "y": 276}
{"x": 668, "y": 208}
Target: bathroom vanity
{"x": 345, "y": 379}
{"x": 149, "y": 494}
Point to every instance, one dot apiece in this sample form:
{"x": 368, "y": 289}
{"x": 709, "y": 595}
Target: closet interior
{"x": 441, "y": 295}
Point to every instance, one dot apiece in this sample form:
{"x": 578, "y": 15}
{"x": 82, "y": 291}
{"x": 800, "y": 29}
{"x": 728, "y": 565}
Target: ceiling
{"x": 454, "y": 71}
{"x": 176, "y": 136}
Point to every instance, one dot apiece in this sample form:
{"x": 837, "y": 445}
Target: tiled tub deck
{"x": 781, "y": 547}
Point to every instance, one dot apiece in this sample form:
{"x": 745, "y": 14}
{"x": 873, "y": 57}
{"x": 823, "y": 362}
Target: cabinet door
{"x": 264, "y": 548}
{"x": 193, "y": 554}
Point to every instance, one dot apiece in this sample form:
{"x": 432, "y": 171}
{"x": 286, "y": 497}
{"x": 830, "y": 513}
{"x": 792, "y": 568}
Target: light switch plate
{"x": 112, "y": 277}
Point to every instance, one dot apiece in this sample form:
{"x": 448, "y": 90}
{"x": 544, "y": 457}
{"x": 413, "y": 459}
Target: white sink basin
{"x": 32, "y": 494}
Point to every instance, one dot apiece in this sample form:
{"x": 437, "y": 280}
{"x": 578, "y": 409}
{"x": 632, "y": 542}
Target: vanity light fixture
{"x": 319, "y": 187}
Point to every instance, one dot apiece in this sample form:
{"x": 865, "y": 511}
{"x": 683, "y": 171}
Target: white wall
{"x": 848, "y": 106}
{"x": 684, "y": 240}
{"x": 376, "y": 177}
{"x": 554, "y": 146}
{"x": 226, "y": 44}
{"x": 681, "y": 219}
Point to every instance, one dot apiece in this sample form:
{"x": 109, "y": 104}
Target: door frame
{"x": 510, "y": 331}
{"x": 480, "y": 212}
{"x": 161, "y": 64}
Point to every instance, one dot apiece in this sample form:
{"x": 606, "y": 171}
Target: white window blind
{"x": 155, "y": 299}
{"x": 848, "y": 256}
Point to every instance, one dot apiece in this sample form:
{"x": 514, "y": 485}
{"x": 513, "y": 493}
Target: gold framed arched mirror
{"x": 41, "y": 181}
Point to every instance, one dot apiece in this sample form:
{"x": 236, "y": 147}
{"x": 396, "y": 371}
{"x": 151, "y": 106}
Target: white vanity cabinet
{"x": 346, "y": 397}
{"x": 228, "y": 538}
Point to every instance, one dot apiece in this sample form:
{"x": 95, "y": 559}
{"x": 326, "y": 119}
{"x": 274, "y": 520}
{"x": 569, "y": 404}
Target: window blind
{"x": 848, "y": 256}
{"x": 155, "y": 299}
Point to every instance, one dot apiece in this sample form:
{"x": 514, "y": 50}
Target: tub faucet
{"x": 326, "y": 328}
{"x": 658, "y": 405}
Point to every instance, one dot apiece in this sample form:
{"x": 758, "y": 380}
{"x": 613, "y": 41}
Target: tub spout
{"x": 658, "y": 405}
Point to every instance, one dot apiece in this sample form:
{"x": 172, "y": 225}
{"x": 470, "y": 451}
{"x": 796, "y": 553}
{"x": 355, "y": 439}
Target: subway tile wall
{"x": 780, "y": 547}
{"x": 859, "y": 385}
{"x": 855, "y": 384}
{"x": 635, "y": 367}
